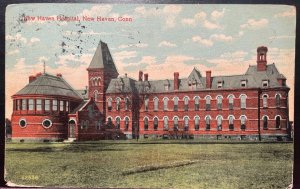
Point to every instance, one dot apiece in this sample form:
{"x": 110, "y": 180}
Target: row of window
{"x": 42, "y": 104}
{"x": 196, "y": 102}
{"x": 186, "y": 119}
{"x": 95, "y": 81}
{"x": 46, "y": 123}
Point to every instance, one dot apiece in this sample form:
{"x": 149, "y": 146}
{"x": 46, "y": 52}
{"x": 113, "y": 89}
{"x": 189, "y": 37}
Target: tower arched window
{"x": 219, "y": 102}
{"x": 118, "y": 120}
{"x": 277, "y": 98}
{"x": 166, "y": 120}
{"x": 126, "y": 123}
{"x": 175, "y": 123}
{"x": 165, "y": 103}
{"x": 197, "y": 123}
{"x": 243, "y": 101}
{"x": 265, "y": 101}
{"x": 155, "y": 104}
{"x": 155, "y": 123}
{"x": 243, "y": 122}
{"x": 230, "y": 120}
{"x": 146, "y": 123}
{"x": 265, "y": 122}
{"x": 118, "y": 104}
{"x": 126, "y": 103}
{"x": 219, "y": 123}
{"x": 186, "y": 103}
{"x": 207, "y": 122}
{"x": 175, "y": 103}
{"x": 197, "y": 103}
{"x": 186, "y": 123}
{"x": 109, "y": 104}
{"x": 230, "y": 102}
{"x": 96, "y": 95}
{"x": 207, "y": 102}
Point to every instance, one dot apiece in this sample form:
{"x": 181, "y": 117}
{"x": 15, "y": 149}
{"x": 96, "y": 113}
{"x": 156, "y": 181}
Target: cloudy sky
{"x": 160, "y": 40}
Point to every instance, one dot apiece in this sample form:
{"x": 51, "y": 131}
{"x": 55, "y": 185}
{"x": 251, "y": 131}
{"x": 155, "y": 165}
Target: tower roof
{"x": 102, "y": 58}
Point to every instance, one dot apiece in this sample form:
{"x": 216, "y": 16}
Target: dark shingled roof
{"x": 102, "y": 58}
{"x": 47, "y": 84}
{"x": 253, "y": 78}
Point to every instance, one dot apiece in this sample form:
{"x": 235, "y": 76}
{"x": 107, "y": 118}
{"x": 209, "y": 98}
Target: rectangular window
{"x": 175, "y": 107}
{"x": 61, "y": 105}
{"x": 230, "y": 106}
{"x": 54, "y": 105}
{"x": 207, "y": 107}
{"x": 67, "y": 106}
{"x": 24, "y": 104}
{"x": 38, "y": 104}
{"x": 166, "y": 87}
{"x": 30, "y": 104}
{"x": 47, "y": 105}
{"x": 18, "y": 104}
{"x": 196, "y": 107}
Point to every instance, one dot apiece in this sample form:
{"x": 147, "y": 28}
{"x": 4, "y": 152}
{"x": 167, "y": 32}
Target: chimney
{"x": 32, "y": 78}
{"x": 38, "y": 74}
{"x": 262, "y": 58}
{"x": 176, "y": 80}
{"x": 145, "y": 77}
{"x": 59, "y": 75}
{"x": 125, "y": 75}
{"x": 208, "y": 79}
{"x": 140, "y": 76}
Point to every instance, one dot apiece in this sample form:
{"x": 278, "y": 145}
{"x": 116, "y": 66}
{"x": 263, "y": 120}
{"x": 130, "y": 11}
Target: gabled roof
{"x": 47, "y": 84}
{"x": 102, "y": 58}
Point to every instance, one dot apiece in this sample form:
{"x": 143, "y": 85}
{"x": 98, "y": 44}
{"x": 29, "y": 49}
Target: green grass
{"x": 118, "y": 164}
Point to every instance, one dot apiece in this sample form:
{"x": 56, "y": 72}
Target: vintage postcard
{"x": 149, "y": 95}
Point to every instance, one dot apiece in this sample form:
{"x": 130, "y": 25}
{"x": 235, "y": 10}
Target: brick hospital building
{"x": 250, "y": 105}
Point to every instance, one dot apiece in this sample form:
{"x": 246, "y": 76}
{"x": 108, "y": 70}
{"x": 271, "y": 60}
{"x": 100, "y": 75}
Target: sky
{"x": 158, "y": 39}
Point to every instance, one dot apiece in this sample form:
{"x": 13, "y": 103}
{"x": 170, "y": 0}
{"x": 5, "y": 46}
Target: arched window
{"x": 118, "y": 103}
{"x": 94, "y": 82}
{"x": 265, "y": 122}
{"x": 207, "y": 121}
{"x": 109, "y": 122}
{"x": 277, "y": 98}
{"x": 175, "y": 123}
{"x": 265, "y": 101}
{"x": 146, "y": 123}
{"x": 197, "y": 103}
{"x": 278, "y": 122}
{"x": 155, "y": 104}
{"x": 175, "y": 103}
{"x": 230, "y": 101}
{"x": 219, "y": 123}
{"x": 146, "y": 103}
{"x": 165, "y": 104}
{"x": 118, "y": 120}
{"x": 96, "y": 95}
{"x": 243, "y": 122}
{"x": 197, "y": 123}
{"x": 98, "y": 81}
{"x": 243, "y": 101}
{"x": 230, "y": 120}
{"x": 219, "y": 102}
{"x": 186, "y": 123}
{"x": 126, "y": 103}
{"x": 109, "y": 104}
{"x": 207, "y": 102}
{"x": 155, "y": 123}
{"x": 186, "y": 103}
{"x": 126, "y": 123}
{"x": 166, "y": 120}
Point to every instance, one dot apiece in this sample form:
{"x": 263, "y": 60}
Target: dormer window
{"x": 220, "y": 84}
{"x": 166, "y": 87}
{"x": 265, "y": 83}
{"x": 244, "y": 83}
{"x": 192, "y": 84}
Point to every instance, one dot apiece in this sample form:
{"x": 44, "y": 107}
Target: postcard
{"x": 149, "y": 95}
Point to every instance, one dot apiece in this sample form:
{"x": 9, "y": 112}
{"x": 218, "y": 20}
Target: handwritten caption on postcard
{"x": 63, "y": 18}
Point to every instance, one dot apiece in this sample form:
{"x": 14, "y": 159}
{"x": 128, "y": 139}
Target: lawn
{"x": 117, "y": 164}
